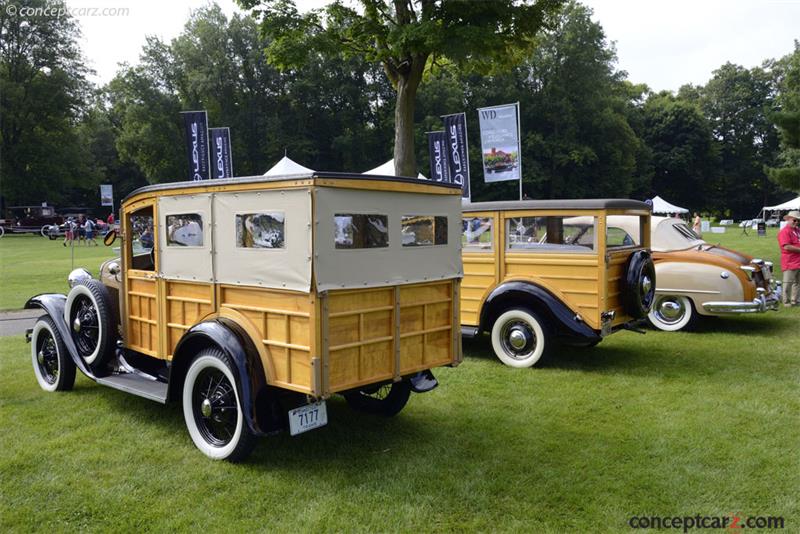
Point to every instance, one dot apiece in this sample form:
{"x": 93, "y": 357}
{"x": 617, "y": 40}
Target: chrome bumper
{"x": 762, "y": 303}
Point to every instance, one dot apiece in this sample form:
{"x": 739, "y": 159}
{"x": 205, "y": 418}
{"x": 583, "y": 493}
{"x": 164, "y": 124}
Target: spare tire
{"x": 640, "y": 284}
{"x": 91, "y": 319}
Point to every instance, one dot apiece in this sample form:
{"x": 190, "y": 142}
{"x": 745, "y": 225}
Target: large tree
{"x": 788, "y": 121}
{"x": 43, "y": 88}
{"x": 406, "y": 37}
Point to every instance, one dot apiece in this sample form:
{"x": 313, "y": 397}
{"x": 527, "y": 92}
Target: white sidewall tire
{"x": 657, "y": 322}
{"x": 37, "y": 331}
{"x": 217, "y": 453}
{"x": 538, "y": 330}
{"x": 74, "y": 293}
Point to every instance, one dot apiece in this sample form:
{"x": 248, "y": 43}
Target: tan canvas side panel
{"x": 190, "y": 262}
{"x": 287, "y": 267}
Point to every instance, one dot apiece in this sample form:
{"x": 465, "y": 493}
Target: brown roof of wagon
{"x": 558, "y": 204}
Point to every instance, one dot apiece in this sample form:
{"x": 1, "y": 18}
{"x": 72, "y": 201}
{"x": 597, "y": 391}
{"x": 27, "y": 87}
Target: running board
{"x": 136, "y": 385}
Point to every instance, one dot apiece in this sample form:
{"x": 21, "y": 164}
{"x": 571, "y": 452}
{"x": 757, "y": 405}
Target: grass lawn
{"x": 668, "y": 424}
{"x": 30, "y": 265}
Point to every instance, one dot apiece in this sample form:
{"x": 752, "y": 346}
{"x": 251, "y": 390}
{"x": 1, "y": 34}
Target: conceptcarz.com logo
{"x": 731, "y": 522}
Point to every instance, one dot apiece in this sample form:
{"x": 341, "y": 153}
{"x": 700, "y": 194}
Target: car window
{"x": 550, "y": 234}
{"x": 477, "y": 234}
{"x": 185, "y": 230}
{"x": 142, "y": 239}
{"x": 360, "y": 230}
{"x": 265, "y": 230}
{"x": 424, "y": 230}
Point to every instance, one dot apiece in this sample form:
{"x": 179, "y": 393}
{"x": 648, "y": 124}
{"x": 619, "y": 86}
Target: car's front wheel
{"x": 520, "y": 338}
{"x": 672, "y": 313}
{"x": 52, "y": 365}
{"x": 89, "y": 314}
{"x": 213, "y": 410}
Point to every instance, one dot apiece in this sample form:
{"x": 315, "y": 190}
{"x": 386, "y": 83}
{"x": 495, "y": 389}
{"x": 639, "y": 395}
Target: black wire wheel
{"x": 384, "y": 399}
{"x": 52, "y": 365}
{"x": 90, "y": 317}
{"x": 213, "y": 410}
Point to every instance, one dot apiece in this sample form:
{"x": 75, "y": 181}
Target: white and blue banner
{"x": 437, "y": 151}
{"x": 455, "y": 129}
{"x": 196, "y": 126}
{"x": 500, "y": 146}
{"x": 221, "y": 154}
{"x": 106, "y": 195}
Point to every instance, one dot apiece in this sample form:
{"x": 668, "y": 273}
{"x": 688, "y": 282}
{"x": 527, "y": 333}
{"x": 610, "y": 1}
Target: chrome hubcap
{"x": 40, "y": 357}
{"x": 205, "y": 408}
{"x": 670, "y": 311}
{"x": 76, "y": 325}
{"x": 647, "y": 284}
{"x": 517, "y": 339}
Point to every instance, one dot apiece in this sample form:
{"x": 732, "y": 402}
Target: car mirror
{"x": 110, "y": 237}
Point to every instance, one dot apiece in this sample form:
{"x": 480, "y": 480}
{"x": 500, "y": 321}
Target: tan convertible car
{"x": 695, "y": 278}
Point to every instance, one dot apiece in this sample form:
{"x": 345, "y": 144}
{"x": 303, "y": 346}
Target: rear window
{"x": 185, "y": 230}
{"x": 477, "y": 234}
{"x": 424, "y": 230}
{"x": 261, "y": 230}
{"x": 360, "y": 230}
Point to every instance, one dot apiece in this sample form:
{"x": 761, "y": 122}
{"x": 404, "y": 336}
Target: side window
{"x": 185, "y": 230}
{"x": 551, "y": 234}
{"x": 624, "y": 231}
{"x": 424, "y": 230}
{"x": 142, "y": 239}
{"x": 477, "y": 234}
{"x": 355, "y": 230}
{"x": 261, "y": 230}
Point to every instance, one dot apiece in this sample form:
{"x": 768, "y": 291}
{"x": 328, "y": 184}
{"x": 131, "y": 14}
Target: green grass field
{"x": 706, "y": 422}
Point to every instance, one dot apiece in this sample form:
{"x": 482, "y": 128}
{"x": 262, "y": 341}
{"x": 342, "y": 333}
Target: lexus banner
{"x": 500, "y": 142}
{"x": 221, "y": 155}
{"x": 437, "y": 150}
{"x": 455, "y": 128}
{"x": 196, "y": 126}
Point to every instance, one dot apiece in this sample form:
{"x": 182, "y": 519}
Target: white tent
{"x": 786, "y": 206}
{"x": 286, "y": 166}
{"x": 387, "y": 169}
{"x": 662, "y": 206}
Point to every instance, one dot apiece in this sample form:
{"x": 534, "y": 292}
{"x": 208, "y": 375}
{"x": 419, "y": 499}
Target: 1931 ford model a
{"x": 252, "y": 300}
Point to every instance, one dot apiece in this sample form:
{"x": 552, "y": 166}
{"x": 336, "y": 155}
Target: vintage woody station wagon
{"x": 252, "y": 300}
{"x": 541, "y": 270}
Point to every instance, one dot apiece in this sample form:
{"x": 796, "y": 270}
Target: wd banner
{"x": 196, "y": 126}
{"x": 437, "y": 150}
{"x": 500, "y": 142}
{"x": 455, "y": 129}
{"x": 221, "y": 155}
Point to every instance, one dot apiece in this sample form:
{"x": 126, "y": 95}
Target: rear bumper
{"x": 760, "y": 304}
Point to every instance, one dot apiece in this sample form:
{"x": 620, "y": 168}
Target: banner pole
{"x": 519, "y": 156}
{"x": 466, "y": 143}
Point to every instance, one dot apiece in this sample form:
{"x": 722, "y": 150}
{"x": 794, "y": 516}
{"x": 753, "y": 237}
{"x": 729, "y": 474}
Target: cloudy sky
{"x": 664, "y": 44}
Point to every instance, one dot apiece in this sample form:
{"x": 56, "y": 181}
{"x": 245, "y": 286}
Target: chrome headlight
{"x": 77, "y": 275}
{"x": 749, "y": 270}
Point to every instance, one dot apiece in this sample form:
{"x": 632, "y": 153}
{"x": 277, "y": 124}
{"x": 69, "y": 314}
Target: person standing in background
{"x": 696, "y": 225}
{"x": 789, "y": 241}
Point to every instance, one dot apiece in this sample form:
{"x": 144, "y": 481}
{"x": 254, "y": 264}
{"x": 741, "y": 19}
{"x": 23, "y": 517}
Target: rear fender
{"x": 53, "y": 304}
{"x": 527, "y": 295}
{"x": 251, "y": 381}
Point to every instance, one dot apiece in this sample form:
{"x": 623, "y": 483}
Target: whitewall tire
{"x": 212, "y": 408}
{"x": 52, "y": 365}
{"x": 671, "y": 313}
{"x": 520, "y": 338}
{"x": 89, "y": 316}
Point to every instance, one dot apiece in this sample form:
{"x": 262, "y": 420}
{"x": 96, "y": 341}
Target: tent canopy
{"x": 387, "y": 169}
{"x": 793, "y": 204}
{"x": 286, "y": 166}
{"x": 662, "y": 206}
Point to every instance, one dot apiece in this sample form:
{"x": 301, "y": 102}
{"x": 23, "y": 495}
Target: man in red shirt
{"x": 789, "y": 241}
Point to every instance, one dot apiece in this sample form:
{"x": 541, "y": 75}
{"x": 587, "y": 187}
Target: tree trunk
{"x": 404, "y": 158}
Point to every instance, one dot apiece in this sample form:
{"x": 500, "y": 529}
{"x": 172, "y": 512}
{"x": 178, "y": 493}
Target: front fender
{"x": 539, "y": 299}
{"x": 53, "y": 304}
{"x": 226, "y": 335}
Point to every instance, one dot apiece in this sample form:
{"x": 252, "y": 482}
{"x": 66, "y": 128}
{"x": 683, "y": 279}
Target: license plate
{"x": 307, "y": 418}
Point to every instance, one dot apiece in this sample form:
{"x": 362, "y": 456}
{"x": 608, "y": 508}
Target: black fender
{"x": 236, "y": 344}
{"x": 526, "y": 294}
{"x": 53, "y": 304}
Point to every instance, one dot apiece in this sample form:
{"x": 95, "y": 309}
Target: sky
{"x": 663, "y": 43}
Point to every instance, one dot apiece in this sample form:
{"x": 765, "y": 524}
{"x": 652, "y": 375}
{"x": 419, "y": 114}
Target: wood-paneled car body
{"x": 540, "y": 271}
{"x": 252, "y": 300}
{"x": 696, "y": 278}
